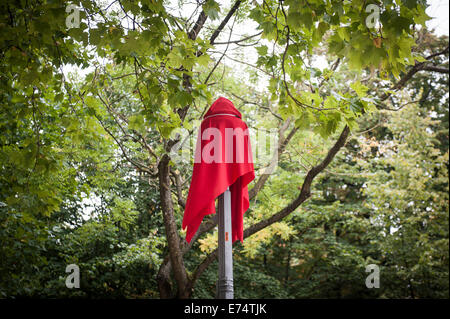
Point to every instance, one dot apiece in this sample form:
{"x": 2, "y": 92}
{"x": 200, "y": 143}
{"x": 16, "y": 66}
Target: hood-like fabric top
{"x": 222, "y": 106}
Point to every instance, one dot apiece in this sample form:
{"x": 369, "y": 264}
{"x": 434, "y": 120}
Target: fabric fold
{"x": 223, "y": 158}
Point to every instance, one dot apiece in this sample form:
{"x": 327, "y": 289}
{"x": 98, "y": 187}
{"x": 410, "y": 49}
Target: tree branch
{"x": 431, "y": 56}
{"x": 225, "y": 21}
{"x": 305, "y": 193}
{"x": 257, "y": 104}
{"x": 197, "y": 26}
{"x": 243, "y": 62}
{"x": 281, "y": 147}
{"x": 220, "y": 59}
{"x": 240, "y": 40}
{"x": 134, "y": 163}
{"x": 437, "y": 69}
{"x": 179, "y": 187}
{"x": 416, "y": 68}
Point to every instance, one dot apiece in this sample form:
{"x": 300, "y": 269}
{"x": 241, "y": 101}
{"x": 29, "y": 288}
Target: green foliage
{"x": 79, "y": 152}
{"x": 253, "y": 283}
{"x": 415, "y": 219}
{"x": 343, "y": 28}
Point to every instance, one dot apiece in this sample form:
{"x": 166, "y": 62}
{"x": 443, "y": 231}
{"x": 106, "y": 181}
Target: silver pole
{"x": 225, "y": 282}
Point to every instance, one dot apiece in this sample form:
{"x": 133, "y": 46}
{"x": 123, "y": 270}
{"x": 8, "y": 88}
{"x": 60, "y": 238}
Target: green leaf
{"x": 212, "y": 9}
{"x": 344, "y": 34}
{"x": 262, "y": 50}
{"x": 360, "y": 89}
{"x": 203, "y": 60}
{"x": 294, "y": 20}
{"x": 421, "y": 18}
{"x": 184, "y": 98}
{"x": 136, "y": 122}
{"x": 95, "y": 36}
{"x": 174, "y": 59}
{"x": 419, "y": 58}
{"x": 305, "y": 120}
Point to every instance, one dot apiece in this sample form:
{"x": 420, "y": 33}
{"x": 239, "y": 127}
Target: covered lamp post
{"x": 223, "y": 167}
{"x": 225, "y": 288}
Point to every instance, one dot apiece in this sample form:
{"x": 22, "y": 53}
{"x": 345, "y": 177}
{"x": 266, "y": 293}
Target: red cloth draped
{"x": 211, "y": 178}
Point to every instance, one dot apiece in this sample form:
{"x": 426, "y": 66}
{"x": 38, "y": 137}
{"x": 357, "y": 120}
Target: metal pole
{"x": 225, "y": 282}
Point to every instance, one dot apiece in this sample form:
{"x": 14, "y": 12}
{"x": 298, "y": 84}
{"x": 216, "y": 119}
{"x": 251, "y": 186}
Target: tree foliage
{"x": 362, "y": 174}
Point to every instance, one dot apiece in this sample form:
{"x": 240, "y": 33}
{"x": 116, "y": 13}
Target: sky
{"x": 438, "y": 10}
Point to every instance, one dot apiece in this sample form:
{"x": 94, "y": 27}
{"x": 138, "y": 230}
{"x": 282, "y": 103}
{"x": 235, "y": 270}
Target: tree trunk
{"x": 164, "y": 286}
{"x": 173, "y": 240}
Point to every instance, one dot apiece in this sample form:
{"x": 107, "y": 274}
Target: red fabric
{"x": 209, "y": 180}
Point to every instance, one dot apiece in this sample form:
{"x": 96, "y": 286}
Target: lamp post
{"x": 225, "y": 282}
